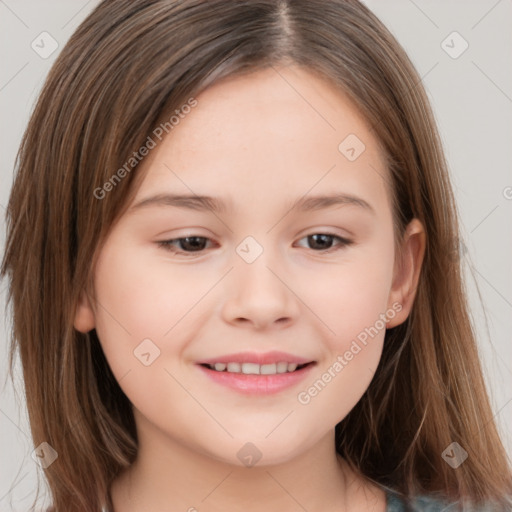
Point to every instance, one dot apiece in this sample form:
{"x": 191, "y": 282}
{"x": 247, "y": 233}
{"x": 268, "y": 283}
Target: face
{"x": 290, "y": 267}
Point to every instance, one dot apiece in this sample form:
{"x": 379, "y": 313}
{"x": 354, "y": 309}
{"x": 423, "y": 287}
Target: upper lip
{"x": 258, "y": 358}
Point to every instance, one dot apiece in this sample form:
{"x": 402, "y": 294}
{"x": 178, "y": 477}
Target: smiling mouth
{"x": 255, "y": 368}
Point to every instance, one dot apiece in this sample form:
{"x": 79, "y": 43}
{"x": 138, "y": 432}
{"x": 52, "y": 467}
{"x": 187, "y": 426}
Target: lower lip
{"x": 258, "y": 384}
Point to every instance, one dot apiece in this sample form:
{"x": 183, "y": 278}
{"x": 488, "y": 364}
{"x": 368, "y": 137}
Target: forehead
{"x": 290, "y": 103}
{"x": 279, "y": 129}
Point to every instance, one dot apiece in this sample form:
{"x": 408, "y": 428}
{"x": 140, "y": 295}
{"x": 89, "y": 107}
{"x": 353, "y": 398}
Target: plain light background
{"x": 471, "y": 95}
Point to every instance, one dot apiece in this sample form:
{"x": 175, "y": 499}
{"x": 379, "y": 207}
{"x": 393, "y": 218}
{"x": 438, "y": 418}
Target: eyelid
{"x": 344, "y": 241}
{"x": 167, "y": 244}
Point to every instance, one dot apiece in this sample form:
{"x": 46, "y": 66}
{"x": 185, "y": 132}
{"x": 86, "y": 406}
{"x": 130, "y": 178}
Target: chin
{"x": 261, "y": 452}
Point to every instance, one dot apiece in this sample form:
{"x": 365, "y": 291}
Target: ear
{"x": 84, "y": 315}
{"x": 407, "y": 271}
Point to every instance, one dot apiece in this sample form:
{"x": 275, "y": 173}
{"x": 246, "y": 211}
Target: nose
{"x": 259, "y": 295}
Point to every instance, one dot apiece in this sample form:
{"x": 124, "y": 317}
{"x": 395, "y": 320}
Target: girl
{"x": 230, "y": 253}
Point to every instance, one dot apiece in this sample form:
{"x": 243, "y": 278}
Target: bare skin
{"x": 258, "y": 144}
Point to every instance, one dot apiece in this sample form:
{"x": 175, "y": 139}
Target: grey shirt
{"x": 428, "y": 504}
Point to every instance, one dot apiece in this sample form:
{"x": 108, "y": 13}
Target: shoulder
{"x": 395, "y": 503}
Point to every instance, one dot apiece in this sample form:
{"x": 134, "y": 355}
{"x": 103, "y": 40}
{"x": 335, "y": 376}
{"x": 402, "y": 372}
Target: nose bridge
{"x": 255, "y": 263}
{"x": 257, "y": 291}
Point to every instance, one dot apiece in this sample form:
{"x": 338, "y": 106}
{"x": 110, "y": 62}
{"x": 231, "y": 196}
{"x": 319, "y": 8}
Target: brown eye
{"x": 325, "y": 242}
{"x": 320, "y": 241}
{"x": 185, "y": 244}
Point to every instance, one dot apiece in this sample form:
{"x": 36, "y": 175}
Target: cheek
{"x": 352, "y": 302}
{"x": 357, "y": 315}
{"x": 338, "y": 386}
{"x": 143, "y": 296}
{"x": 351, "y": 297}
{"x": 137, "y": 301}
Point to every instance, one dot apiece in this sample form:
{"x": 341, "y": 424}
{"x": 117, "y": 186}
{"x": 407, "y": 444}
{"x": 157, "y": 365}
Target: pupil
{"x": 193, "y": 243}
{"x": 324, "y": 240}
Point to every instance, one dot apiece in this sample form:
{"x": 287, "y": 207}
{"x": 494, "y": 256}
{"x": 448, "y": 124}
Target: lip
{"x": 255, "y": 357}
{"x": 257, "y": 384}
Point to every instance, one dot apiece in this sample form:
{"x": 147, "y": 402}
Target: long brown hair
{"x": 127, "y": 65}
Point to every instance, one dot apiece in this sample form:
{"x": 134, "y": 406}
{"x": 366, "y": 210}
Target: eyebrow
{"x": 216, "y": 205}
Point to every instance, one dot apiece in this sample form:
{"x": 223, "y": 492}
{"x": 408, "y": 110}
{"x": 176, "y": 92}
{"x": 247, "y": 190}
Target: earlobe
{"x": 407, "y": 271}
{"x": 84, "y": 315}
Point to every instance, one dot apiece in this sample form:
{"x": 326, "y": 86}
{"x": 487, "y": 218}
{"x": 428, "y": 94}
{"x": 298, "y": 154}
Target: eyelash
{"x": 168, "y": 244}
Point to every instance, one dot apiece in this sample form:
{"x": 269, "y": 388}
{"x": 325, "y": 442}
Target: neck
{"x": 169, "y": 476}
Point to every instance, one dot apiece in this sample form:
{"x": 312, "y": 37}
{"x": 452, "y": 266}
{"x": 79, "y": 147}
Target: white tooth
{"x": 292, "y": 367}
{"x": 234, "y": 367}
{"x": 220, "y": 367}
{"x": 268, "y": 369}
{"x": 282, "y": 367}
{"x": 250, "y": 368}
